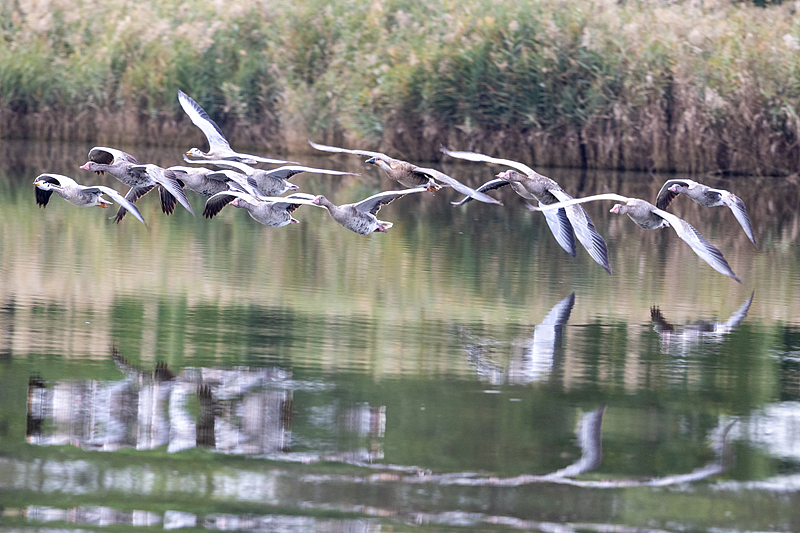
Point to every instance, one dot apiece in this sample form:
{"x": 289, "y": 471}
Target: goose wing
{"x": 217, "y": 201}
{"x": 457, "y": 185}
{"x": 736, "y": 205}
{"x": 121, "y": 200}
{"x": 474, "y": 156}
{"x": 374, "y": 202}
{"x": 707, "y": 252}
{"x": 666, "y": 196}
{"x": 561, "y": 228}
{"x": 488, "y": 186}
{"x": 167, "y": 180}
{"x": 576, "y": 201}
{"x": 335, "y": 149}
{"x": 293, "y": 201}
{"x": 198, "y": 116}
{"x": 106, "y": 156}
{"x": 131, "y": 196}
{"x": 287, "y": 171}
{"x": 585, "y": 230}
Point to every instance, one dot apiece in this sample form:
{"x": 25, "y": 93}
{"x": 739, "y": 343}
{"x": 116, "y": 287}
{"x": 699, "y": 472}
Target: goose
{"x": 410, "y": 175}
{"x": 648, "y": 216}
{"x": 208, "y": 182}
{"x": 360, "y": 217}
{"x": 274, "y": 182}
{"x": 270, "y": 211}
{"x": 149, "y": 176}
{"x": 79, "y": 195}
{"x": 565, "y": 223}
{"x": 140, "y": 178}
{"x": 218, "y": 147}
{"x": 707, "y": 197}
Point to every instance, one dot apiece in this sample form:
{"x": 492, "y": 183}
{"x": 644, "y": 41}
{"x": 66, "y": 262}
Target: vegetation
{"x": 712, "y": 86}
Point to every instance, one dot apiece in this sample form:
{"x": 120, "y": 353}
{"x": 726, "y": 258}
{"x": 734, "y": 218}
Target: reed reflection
{"x": 531, "y": 358}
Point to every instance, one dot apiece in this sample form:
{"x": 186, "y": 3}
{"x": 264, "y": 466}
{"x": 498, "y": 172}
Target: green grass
{"x": 637, "y": 85}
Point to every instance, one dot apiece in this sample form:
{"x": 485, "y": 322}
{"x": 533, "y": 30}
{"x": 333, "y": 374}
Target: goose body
{"x": 218, "y": 146}
{"x": 273, "y": 212}
{"x": 648, "y": 216}
{"x": 361, "y": 217}
{"x": 565, "y": 224}
{"x": 410, "y": 175}
{"x": 79, "y": 195}
{"x": 707, "y": 197}
{"x": 202, "y": 180}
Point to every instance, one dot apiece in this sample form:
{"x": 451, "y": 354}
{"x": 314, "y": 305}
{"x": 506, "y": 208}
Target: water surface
{"x": 461, "y": 371}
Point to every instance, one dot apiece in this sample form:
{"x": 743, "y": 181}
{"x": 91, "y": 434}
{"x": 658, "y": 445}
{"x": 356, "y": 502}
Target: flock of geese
{"x": 233, "y": 179}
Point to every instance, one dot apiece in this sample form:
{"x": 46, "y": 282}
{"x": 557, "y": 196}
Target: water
{"x": 459, "y": 372}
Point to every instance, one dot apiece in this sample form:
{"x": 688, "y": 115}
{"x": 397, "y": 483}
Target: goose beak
{"x": 85, "y": 166}
{"x": 615, "y": 209}
{"x": 502, "y": 175}
{"x": 370, "y": 161}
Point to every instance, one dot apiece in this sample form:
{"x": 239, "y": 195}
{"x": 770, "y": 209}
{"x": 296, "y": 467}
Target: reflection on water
{"x": 683, "y": 338}
{"x": 530, "y": 358}
{"x": 458, "y": 371}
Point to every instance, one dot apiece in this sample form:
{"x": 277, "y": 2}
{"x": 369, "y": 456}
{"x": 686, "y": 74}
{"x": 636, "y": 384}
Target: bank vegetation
{"x": 710, "y": 86}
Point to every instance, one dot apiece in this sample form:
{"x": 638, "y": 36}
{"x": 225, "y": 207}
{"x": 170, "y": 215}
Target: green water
{"x": 217, "y": 374}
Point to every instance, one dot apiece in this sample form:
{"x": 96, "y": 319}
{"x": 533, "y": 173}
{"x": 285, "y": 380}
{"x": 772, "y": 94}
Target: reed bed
{"x": 684, "y": 86}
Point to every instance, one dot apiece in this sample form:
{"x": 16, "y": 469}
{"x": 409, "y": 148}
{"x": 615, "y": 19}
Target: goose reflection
{"x": 687, "y": 336}
{"x": 236, "y": 411}
{"x": 588, "y": 434}
{"x": 532, "y": 358}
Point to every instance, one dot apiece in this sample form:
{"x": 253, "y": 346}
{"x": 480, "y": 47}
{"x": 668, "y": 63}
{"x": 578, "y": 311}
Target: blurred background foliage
{"x": 679, "y": 86}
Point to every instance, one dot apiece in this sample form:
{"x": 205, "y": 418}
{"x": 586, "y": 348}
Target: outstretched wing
{"x": 561, "y": 228}
{"x": 106, "y": 156}
{"x": 474, "y": 156}
{"x": 457, "y": 185}
{"x": 121, "y": 200}
{"x": 132, "y": 196}
{"x": 366, "y": 153}
{"x": 737, "y": 207}
{"x": 287, "y": 171}
{"x": 707, "y": 252}
{"x": 198, "y": 116}
{"x": 576, "y": 201}
{"x": 666, "y": 196}
{"x": 585, "y": 231}
{"x": 374, "y": 202}
{"x": 488, "y": 186}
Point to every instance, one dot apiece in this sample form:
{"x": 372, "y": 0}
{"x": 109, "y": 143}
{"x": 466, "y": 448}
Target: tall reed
{"x": 642, "y": 85}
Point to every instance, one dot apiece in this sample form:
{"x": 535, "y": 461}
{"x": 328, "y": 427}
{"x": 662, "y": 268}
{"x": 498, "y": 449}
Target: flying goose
{"x": 707, "y": 197}
{"x": 140, "y": 178}
{"x": 79, "y": 195}
{"x": 565, "y": 223}
{"x": 409, "y": 175}
{"x": 360, "y": 217}
{"x": 648, "y": 216}
{"x": 275, "y": 181}
{"x": 218, "y": 147}
{"x": 269, "y": 211}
